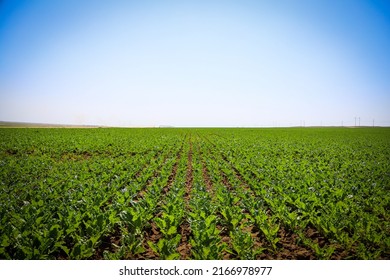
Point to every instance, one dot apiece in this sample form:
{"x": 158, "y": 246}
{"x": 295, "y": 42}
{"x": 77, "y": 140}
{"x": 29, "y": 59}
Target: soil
{"x": 109, "y": 243}
{"x": 76, "y": 156}
{"x": 206, "y": 177}
{"x": 152, "y": 234}
{"x": 172, "y": 176}
{"x": 289, "y": 246}
{"x": 184, "y": 247}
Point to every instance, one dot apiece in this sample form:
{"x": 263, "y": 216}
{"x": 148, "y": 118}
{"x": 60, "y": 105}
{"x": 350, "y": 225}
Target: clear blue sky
{"x": 195, "y": 63}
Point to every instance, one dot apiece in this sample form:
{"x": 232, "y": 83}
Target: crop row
{"x": 194, "y": 193}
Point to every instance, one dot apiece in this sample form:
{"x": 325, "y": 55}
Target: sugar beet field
{"x": 173, "y": 193}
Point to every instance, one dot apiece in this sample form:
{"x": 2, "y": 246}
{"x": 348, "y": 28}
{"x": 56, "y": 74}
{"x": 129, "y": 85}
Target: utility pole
{"x": 355, "y": 121}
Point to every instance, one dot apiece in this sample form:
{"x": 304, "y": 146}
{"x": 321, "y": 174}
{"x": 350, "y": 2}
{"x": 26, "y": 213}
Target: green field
{"x": 172, "y": 193}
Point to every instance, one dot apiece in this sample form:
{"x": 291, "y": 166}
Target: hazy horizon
{"x": 195, "y": 63}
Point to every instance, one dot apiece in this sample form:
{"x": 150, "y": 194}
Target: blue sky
{"x": 195, "y": 63}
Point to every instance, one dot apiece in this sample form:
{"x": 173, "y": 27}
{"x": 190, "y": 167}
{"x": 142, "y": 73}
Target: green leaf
{"x": 54, "y": 233}
{"x": 76, "y": 252}
{"x": 153, "y": 246}
{"x": 5, "y": 242}
{"x": 161, "y": 243}
{"x": 172, "y": 230}
{"x": 234, "y": 222}
{"x": 174, "y": 256}
{"x": 39, "y": 220}
{"x": 209, "y": 220}
{"x": 99, "y": 221}
{"x": 61, "y": 246}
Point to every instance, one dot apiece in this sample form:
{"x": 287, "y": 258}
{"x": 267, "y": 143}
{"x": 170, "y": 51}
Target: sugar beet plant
{"x": 111, "y": 193}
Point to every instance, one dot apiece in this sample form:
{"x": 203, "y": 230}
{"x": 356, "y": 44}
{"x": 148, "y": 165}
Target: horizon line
{"x": 15, "y": 124}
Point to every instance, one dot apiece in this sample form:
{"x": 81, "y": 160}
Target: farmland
{"x": 176, "y": 193}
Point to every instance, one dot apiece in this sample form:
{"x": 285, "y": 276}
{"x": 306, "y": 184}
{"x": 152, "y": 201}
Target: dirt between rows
{"x": 152, "y": 233}
{"x": 290, "y": 246}
{"x": 184, "y": 247}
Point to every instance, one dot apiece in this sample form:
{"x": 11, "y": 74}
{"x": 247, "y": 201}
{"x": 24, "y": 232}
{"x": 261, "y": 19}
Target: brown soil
{"x": 189, "y": 177}
{"x": 315, "y": 235}
{"x": 225, "y": 238}
{"x": 206, "y": 176}
{"x": 172, "y": 176}
{"x": 109, "y": 243}
{"x": 288, "y": 245}
{"x": 288, "y": 248}
{"x": 339, "y": 253}
{"x": 139, "y": 196}
{"x": 142, "y": 191}
{"x": 11, "y": 152}
{"x": 226, "y": 182}
{"x": 152, "y": 234}
{"x": 224, "y": 232}
{"x": 184, "y": 247}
